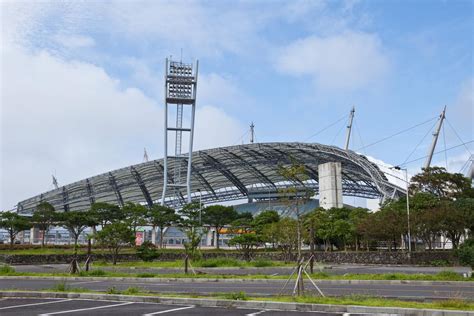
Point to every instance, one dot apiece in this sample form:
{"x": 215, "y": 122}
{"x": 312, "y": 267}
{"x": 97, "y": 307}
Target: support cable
{"x": 337, "y": 134}
{"x": 453, "y": 147}
{"x": 445, "y": 152}
{"x": 457, "y": 135}
{"x": 360, "y": 137}
{"x": 240, "y": 138}
{"x": 417, "y": 145}
{"x": 398, "y": 133}
{"x": 325, "y": 128}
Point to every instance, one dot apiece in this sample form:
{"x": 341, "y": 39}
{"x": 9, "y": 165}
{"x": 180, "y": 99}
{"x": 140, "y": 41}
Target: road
{"x": 330, "y": 269}
{"x": 255, "y": 288}
{"x": 44, "y": 307}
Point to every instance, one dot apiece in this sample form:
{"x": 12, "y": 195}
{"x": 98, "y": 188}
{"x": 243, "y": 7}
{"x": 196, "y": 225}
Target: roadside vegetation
{"x": 6, "y": 270}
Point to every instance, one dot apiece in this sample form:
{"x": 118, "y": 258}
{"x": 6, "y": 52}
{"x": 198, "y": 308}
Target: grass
{"x": 361, "y": 300}
{"x": 441, "y": 276}
{"x": 203, "y": 263}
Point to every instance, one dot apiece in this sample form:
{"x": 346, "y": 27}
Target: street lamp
{"x": 408, "y": 204}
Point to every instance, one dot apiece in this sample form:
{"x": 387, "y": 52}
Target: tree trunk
{"x": 12, "y": 239}
{"x": 114, "y": 257}
{"x": 217, "y": 237}
{"x": 42, "y": 238}
{"x": 161, "y": 237}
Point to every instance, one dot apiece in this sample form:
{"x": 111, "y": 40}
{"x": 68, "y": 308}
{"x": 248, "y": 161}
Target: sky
{"x": 82, "y": 81}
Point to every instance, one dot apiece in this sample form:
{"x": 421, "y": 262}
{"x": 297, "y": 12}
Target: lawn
{"x": 441, "y": 276}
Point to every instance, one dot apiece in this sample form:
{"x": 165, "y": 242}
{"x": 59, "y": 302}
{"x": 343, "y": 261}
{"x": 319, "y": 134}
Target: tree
{"x": 105, "y": 213}
{"x": 218, "y": 216}
{"x": 44, "y": 217}
{"x": 115, "y": 236}
{"x": 265, "y": 218}
{"x": 287, "y": 239}
{"x": 439, "y": 182}
{"x": 296, "y": 173}
{"x": 134, "y": 215}
{"x": 270, "y": 233}
{"x": 356, "y": 216}
{"x": 76, "y": 222}
{"x": 246, "y": 243}
{"x": 162, "y": 217}
{"x": 189, "y": 223}
{"x": 242, "y": 224}
{"x": 13, "y": 224}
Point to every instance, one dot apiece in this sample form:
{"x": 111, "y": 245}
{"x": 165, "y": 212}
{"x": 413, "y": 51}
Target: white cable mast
{"x": 435, "y": 138}
{"x": 252, "y": 133}
{"x": 145, "y": 155}
{"x": 55, "y": 182}
{"x": 349, "y": 128}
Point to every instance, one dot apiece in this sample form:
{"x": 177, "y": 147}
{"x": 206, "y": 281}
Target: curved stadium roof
{"x": 223, "y": 174}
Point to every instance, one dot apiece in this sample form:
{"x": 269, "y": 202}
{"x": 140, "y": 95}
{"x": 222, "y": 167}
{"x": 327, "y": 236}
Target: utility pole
{"x": 349, "y": 128}
{"x": 252, "y": 133}
{"x": 435, "y": 138}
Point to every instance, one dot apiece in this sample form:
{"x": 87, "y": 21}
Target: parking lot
{"x": 44, "y": 307}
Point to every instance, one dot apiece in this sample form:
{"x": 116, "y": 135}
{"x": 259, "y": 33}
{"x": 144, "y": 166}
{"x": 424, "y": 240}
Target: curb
{"x": 351, "y": 309}
{"x": 265, "y": 281}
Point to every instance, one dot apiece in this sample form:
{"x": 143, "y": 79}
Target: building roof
{"x": 223, "y": 174}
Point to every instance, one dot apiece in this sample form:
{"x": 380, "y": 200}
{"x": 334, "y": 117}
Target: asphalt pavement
{"x": 330, "y": 269}
{"x": 410, "y": 290}
{"x": 44, "y": 307}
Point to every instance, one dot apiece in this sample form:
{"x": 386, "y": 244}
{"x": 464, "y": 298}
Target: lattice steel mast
{"x": 180, "y": 90}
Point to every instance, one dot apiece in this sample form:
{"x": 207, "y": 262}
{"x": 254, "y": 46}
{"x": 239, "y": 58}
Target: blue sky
{"x": 82, "y": 82}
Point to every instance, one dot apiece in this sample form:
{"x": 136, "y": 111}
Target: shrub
{"x": 112, "y": 290}
{"x": 439, "y": 263}
{"x": 466, "y": 253}
{"x": 449, "y": 275}
{"x": 238, "y": 296}
{"x": 145, "y": 275}
{"x": 219, "y": 262}
{"x": 60, "y": 287}
{"x": 6, "y": 269}
{"x": 147, "y": 252}
{"x": 96, "y": 273}
{"x": 131, "y": 290}
{"x": 260, "y": 263}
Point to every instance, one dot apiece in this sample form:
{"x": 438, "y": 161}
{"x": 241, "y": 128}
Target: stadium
{"x": 249, "y": 171}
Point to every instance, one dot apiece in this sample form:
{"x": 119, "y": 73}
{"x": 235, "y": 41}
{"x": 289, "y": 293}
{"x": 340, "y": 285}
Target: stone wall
{"x": 417, "y": 258}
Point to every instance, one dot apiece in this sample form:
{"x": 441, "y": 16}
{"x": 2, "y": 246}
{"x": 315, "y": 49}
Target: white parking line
{"x": 86, "y": 309}
{"x": 33, "y": 304}
{"x": 169, "y": 310}
{"x": 256, "y": 313}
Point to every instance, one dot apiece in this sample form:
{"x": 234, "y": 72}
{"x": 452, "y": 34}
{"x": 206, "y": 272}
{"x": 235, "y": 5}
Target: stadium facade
{"x": 250, "y": 171}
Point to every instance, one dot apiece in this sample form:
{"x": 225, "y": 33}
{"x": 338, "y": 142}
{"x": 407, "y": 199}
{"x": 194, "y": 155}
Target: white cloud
{"x": 74, "y": 41}
{"x": 349, "y": 60}
{"x": 73, "y": 119}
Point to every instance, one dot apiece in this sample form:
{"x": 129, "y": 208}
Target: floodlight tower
{"x": 180, "y": 91}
